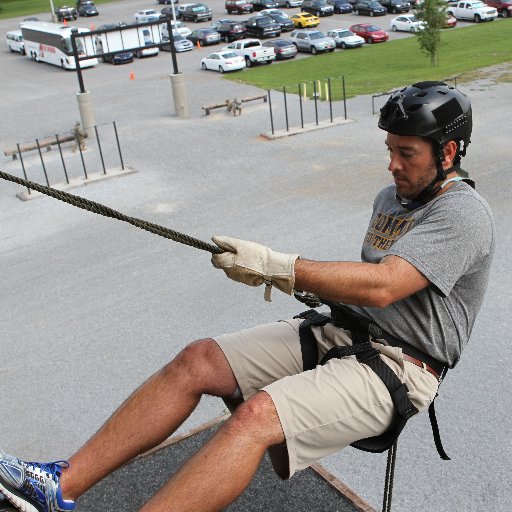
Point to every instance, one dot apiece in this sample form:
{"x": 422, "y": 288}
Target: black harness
{"x": 362, "y": 330}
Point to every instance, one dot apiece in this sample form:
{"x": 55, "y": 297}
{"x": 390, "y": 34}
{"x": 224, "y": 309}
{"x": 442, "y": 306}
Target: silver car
{"x": 344, "y": 38}
{"x": 181, "y": 44}
{"x": 312, "y": 41}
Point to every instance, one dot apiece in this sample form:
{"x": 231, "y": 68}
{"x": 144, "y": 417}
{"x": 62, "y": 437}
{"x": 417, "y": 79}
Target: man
{"x": 425, "y": 264}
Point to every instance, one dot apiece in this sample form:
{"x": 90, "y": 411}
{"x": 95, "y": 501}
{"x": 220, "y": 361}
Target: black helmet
{"x": 429, "y": 109}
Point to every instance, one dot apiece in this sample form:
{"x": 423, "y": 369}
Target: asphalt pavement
{"x": 92, "y": 306}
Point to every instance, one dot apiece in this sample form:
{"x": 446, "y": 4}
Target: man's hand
{"x": 254, "y": 264}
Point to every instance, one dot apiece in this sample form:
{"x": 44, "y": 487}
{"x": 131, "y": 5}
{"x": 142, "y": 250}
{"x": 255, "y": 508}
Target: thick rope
{"x": 390, "y": 475}
{"x": 100, "y": 209}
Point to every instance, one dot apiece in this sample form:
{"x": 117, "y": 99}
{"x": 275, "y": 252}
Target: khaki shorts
{"x": 322, "y": 410}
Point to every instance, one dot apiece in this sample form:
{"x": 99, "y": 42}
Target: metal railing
{"x": 312, "y": 102}
{"x": 104, "y": 150}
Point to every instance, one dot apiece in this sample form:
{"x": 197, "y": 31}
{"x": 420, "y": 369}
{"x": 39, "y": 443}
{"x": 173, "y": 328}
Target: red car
{"x": 370, "y": 33}
{"x": 450, "y": 22}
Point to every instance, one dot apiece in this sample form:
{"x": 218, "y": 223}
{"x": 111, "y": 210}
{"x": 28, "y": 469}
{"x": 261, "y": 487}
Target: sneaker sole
{"x": 20, "y": 503}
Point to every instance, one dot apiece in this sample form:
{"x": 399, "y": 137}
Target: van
{"x": 14, "y": 40}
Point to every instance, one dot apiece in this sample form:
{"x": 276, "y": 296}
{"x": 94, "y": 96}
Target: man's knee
{"x": 203, "y": 363}
{"x": 258, "y": 419}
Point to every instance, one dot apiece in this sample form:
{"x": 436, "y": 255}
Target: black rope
{"x": 390, "y": 474}
{"x": 100, "y": 209}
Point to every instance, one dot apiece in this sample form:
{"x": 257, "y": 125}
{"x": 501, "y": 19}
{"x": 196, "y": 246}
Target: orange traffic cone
{"x": 132, "y": 75}
{"x": 198, "y": 44}
{"x": 65, "y": 21}
{"x": 92, "y": 27}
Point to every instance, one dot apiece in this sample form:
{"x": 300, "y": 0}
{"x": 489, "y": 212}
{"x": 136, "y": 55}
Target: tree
{"x": 433, "y": 13}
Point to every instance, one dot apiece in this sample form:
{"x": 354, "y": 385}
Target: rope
{"x": 100, "y": 209}
{"x": 390, "y": 473}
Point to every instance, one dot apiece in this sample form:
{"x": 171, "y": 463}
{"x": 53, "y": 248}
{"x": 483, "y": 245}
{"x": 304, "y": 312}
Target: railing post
{"x": 42, "y": 162}
{"x": 82, "y": 157}
{"x": 344, "y": 96}
{"x": 300, "y": 105}
{"x": 316, "y": 101}
{"x": 118, "y": 145}
{"x": 99, "y": 147}
{"x": 62, "y": 158}
{"x": 22, "y": 165}
{"x": 285, "y": 109}
{"x": 270, "y": 110}
{"x": 330, "y": 96}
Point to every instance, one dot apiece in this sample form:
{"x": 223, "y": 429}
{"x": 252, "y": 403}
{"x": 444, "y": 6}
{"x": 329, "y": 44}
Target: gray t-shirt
{"x": 450, "y": 240}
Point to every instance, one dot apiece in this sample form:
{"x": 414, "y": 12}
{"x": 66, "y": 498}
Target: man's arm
{"x": 360, "y": 284}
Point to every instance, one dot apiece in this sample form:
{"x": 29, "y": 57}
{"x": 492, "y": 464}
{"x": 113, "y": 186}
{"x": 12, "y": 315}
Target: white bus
{"x": 51, "y": 43}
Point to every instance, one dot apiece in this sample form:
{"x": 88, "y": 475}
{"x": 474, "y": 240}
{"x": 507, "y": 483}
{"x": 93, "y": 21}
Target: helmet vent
{"x": 420, "y": 94}
{"x": 414, "y": 108}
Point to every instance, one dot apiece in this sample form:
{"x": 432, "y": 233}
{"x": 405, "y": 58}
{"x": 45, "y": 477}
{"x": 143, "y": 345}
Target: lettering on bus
{"x": 45, "y": 48}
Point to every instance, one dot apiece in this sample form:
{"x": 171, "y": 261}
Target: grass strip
{"x": 386, "y": 66}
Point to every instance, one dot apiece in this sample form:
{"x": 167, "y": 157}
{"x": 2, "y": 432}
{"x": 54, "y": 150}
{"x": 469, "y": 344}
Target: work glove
{"x": 254, "y": 264}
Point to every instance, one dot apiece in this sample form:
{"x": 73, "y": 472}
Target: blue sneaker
{"x": 33, "y": 486}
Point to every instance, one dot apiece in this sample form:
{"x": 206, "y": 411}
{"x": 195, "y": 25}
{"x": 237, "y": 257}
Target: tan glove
{"x": 254, "y": 264}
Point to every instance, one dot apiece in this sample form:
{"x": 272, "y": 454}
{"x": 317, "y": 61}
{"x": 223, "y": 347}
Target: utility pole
{"x": 54, "y": 17}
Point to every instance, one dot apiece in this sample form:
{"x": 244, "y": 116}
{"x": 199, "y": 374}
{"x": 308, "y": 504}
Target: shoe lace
{"x": 52, "y": 469}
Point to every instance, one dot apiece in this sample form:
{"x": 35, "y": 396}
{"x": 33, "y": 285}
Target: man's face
{"x": 412, "y": 164}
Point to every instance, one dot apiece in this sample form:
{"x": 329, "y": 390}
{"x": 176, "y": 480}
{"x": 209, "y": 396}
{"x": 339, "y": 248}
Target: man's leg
{"x": 150, "y": 415}
{"x": 221, "y": 470}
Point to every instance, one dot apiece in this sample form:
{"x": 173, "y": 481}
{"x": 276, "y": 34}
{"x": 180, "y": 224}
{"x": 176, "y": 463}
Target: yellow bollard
{"x": 326, "y": 91}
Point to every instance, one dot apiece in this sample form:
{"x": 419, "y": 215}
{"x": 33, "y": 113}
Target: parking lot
{"x": 91, "y": 306}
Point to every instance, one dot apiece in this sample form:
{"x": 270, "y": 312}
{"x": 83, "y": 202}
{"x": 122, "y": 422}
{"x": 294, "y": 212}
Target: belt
{"x": 421, "y": 364}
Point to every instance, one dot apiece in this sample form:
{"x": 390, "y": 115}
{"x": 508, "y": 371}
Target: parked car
{"x": 231, "y": 30}
{"x": 252, "y": 51}
{"x": 262, "y": 26}
{"x": 177, "y": 28}
{"x": 451, "y": 21}
{"x": 119, "y": 58}
{"x": 289, "y": 3}
{"x": 14, "y": 40}
{"x": 312, "y": 41}
{"x": 147, "y": 15}
{"x": 305, "y": 20}
{"x": 167, "y": 2}
{"x": 223, "y": 61}
{"x": 195, "y": 12}
{"x": 273, "y": 10}
{"x": 283, "y": 48}
{"x": 472, "y": 10}
{"x": 396, "y": 6}
{"x": 341, "y": 6}
{"x": 370, "y": 33}
{"x": 65, "y": 12}
{"x": 504, "y": 7}
{"x": 238, "y": 6}
{"x": 282, "y": 20}
{"x": 204, "y": 36}
{"x": 167, "y": 12}
{"x": 318, "y": 7}
{"x": 216, "y": 23}
{"x": 259, "y": 5}
{"x": 344, "y": 38}
{"x": 87, "y": 10}
{"x": 181, "y": 44}
{"x": 406, "y": 23}
{"x": 369, "y": 8}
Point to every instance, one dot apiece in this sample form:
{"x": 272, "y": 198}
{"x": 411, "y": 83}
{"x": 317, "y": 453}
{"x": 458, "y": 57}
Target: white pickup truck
{"x": 253, "y": 51}
{"x": 472, "y": 10}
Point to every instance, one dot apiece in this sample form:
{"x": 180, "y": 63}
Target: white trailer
{"x": 130, "y": 37}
